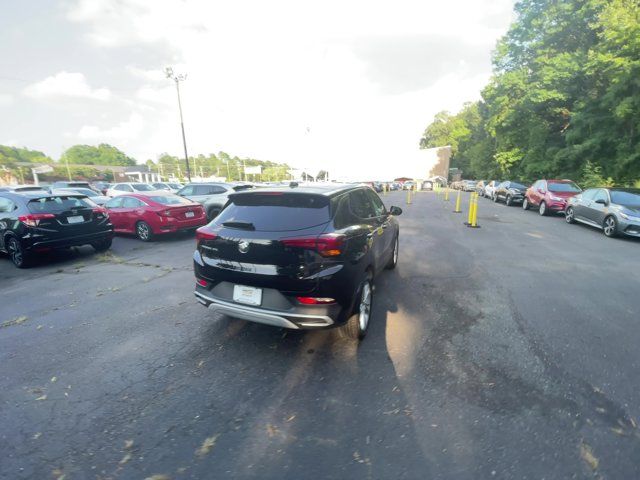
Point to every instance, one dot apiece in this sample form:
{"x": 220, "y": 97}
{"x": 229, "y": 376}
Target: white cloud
{"x": 66, "y": 85}
{"x": 128, "y": 130}
{"x": 348, "y": 85}
{"x": 6, "y": 99}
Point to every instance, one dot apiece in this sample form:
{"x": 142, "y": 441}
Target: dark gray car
{"x": 211, "y": 195}
{"x": 616, "y": 211}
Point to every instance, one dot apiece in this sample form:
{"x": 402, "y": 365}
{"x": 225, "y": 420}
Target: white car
{"x": 132, "y": 187}
{"x": 167, "y": 186}
{"x": 490, "y": 188}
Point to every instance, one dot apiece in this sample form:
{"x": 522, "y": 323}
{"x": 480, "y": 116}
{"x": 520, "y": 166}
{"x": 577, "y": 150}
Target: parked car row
{"x": 34, "y": 222}
{"x": 616, "y": 211}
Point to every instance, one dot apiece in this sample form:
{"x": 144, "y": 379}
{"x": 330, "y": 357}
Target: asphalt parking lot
{"x": 509, "y": 351}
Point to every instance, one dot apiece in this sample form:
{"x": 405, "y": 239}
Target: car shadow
{"x": 313, "y": 399}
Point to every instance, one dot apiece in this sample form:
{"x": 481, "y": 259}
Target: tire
{"x": 102, "y": 246}
{"x": 495, "y": 198}
{"x": 144, "y": 231}
{"x": 212, "y": 213}
{"x": 542, "y": 209}
{"x": 394, "y": 256}
{"x": 18, "y": 256}
{"x": 525, "y": 204}
{"x": 508, "y": 201}
{"x": 358, "y": 324}
{"x": 570, "y": 215}
{"x": 610, "y": 226}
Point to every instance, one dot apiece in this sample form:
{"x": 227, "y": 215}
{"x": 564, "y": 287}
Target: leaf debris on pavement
{"x": 587, "y": 455}
{"x": 16, "y": 321}
{"x": 206, "y": 446}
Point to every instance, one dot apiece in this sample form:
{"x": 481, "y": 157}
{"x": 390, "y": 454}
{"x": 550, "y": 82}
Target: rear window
{"x": 170, "y": 200}
{"x": 277, "y": 212}
{"x": 58, "y": 204}
{"x": 563, "y": 187}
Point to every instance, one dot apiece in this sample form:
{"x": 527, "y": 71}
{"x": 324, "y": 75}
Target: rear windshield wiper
{"x": 242, "y": 225}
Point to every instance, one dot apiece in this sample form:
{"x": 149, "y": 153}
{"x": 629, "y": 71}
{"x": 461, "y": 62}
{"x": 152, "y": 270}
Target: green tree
{"x": 564, "y": 99}
{"x": 103, "y": 154}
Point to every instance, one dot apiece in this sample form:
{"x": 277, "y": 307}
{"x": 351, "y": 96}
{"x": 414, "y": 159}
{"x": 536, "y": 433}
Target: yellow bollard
{"x": 470, "y": 214}
{"x": 474, "y": 221}
{"x": 384, "y": 189}
{"x": 446, "y": 193}
{"x": 408, "y": 197}
{"x": 474, "y": 218}
{"x": 458, "y": 198}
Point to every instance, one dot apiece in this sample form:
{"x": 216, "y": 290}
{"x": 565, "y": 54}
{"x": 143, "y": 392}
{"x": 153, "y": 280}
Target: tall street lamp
{"x": 179, "y": 78}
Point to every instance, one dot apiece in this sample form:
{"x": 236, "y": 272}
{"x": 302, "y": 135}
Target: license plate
{"x": 76, "y": 219}
{"x": 247, "y": 295}
{"x": 189, "y": 214}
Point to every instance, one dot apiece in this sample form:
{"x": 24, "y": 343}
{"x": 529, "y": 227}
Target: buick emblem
{"x": 243, "y": 246}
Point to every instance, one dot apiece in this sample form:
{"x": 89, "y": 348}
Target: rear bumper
{"x": 295, "y": 318}
{"x": 38, "y": 242}
{"x": 179, "y": 225}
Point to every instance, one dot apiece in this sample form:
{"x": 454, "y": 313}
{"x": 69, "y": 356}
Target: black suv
{"x": 510, "y": 192}
{"x": 297, "y": 257}
{"x": 32, "y": 223}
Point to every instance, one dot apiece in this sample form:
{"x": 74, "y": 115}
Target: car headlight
{"x": 555, "y": 199}
{"x": 632, "y": 218}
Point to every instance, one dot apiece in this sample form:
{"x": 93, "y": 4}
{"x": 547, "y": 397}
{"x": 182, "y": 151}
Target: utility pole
{"x": 179, "y": 78}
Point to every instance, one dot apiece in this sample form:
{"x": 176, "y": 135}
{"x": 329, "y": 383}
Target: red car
{"x": 150, "y": 215}
{"x": 550, "y": 195}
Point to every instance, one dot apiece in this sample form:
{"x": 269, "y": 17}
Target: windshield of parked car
{"x": 630, "y": 199}
{"x": 174, "y": 185}
{"x": 564, "y": 187}
{"x": 142, "y": 187}
{"x": 170, "y": 200}
{"x": 277, "y": 212}
{"x": 519, "y": 186}
{"x": 58, "y": 203}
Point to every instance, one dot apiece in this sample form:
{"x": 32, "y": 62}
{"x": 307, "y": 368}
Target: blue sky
{"x": 345, "y": 85}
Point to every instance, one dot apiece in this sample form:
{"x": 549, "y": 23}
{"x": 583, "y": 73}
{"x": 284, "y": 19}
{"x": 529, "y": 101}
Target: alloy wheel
{"x": 569, "y": 215}
{"x": 525, "y": 204}
{"x": 395, "y": 252}
{"x": 609, "y": 226}
{"x": 543, "y": 208}
{"x": 365, "y": 306}
{"x": 15, "y": 252}
{"x": 143, "y": 231}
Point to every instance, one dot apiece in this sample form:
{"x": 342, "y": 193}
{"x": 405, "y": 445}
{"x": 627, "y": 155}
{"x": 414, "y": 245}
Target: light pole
{"x": 179, "y": 78}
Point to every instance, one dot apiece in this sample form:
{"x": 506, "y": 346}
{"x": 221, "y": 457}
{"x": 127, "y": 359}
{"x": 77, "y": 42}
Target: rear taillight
{"x": 33, "y": 220}
{"x": 202, "y": 282}
{"x": 316, "y": 300}
{"x": 329, "y": 245}
{"x": 204, "y": 233}
{"x": 101, "y": 211}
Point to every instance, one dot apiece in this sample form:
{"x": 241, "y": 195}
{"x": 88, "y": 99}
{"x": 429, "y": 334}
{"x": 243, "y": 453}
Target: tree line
{"x": 76, "y": 162}
{"x": 563, "y": 100}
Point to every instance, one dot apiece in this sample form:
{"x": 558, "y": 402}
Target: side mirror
{"x": 395, "y": 211}
{"x": 601, "y": 201}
